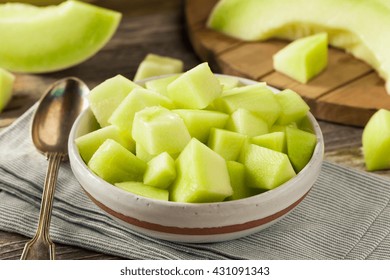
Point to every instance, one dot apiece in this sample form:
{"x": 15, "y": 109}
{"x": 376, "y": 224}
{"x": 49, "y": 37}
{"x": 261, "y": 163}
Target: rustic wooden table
{"x": 148, "y": 26}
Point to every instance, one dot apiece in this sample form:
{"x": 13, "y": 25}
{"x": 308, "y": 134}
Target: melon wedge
{"x": 46, "y": 39}
{"x": 359, "y": 27}
{"x": 6, "y": 84}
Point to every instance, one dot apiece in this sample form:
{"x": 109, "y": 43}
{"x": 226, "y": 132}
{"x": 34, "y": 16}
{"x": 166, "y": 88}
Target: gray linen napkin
{"x": 345, "y": 216}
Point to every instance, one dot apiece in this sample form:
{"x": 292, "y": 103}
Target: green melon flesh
{"x": 195, "y": 89}
{"x": 202, "y": 175}
{"x": 294, "y": 108}
{"x": 107, "y": 96}
{"x": 300, "y": 147}
{"x": 199, "y": 122}
{"x": 351, "y": 25}
{"x": 45, "y": 39}
{"x": 156, "y": 65}
{"x": 228, "y": 82}
{"x": 160, "y": 85}
{"x": 237, "y": 181}
{"x": 137, "y": 100}
{"x": 141, "y": 153}
{"x": 160, "y": 130}
{"x": 144, "y": 190}
{"x": 304, "y": 58}
{"x": 6, "y": 85}
{"x": 90, "y": 142}
{"x": 376, "y": 141}
{"x": 265, "y": 169}
{"x": 114, "y": 163}
{"x": 257, "y": 99}
{"x": 244, "y": 122}
{"x": 275, "y": 141}
{"x": 226, "y": 143}
{"x": 160, "y": 171}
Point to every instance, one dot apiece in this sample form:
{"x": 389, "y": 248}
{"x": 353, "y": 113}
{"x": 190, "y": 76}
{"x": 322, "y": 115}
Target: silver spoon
{"x": 52, "y": 121}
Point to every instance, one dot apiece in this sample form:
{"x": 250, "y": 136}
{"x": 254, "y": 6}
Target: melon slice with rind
{"x": 46, "y": 39}
{"x": 359, "y": 27}
{"x": 7, "y": 80}
{"x": 114, "y": 163}
{"x": 304, "y": 58}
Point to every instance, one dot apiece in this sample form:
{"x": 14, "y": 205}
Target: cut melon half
{"x": 359, "y": 27}
{"x": 46, "y": 39}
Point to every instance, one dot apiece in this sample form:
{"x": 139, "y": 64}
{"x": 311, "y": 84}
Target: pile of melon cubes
{"x": 196, "y": 137}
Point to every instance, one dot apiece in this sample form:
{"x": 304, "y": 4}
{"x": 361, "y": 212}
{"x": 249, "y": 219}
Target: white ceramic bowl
{"x": 190, "y": 222}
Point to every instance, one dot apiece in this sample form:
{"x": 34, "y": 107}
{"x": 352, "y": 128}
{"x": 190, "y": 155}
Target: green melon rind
{"x": 7, "y": 80}
{"x": 263, "y": 19}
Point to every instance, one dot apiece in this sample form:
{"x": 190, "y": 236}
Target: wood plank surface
{"x": 338, "y": 94}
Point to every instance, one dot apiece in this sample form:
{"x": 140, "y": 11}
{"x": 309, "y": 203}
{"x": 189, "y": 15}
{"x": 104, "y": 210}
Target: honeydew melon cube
{"x": 199, "y": 122}
{"x": 141, "y": 153}
{"x": 160, "y": 130}
{"x": 144, "y": 190}
{"x": 237, "y": 181}
{"x": 114, "y": 163}
{"x": 202, "y": 175}
{"x": 6, "y": 84}
{"x": 256, "y": 98}
{"x": 137, "y": 100}
{"x": 245, "y": 122}
{"x": 300, "y": 147}
{"x": 90, "y": 142}
{"x": 157, "y": 65}
{"x": 376, "y": 141}
{"x": 160, "y": 85}
{"x": 294, "y": 108}
{"x": 305, "y": 124}
{"x": 160, "y": 171}
{"x": 275, "y": 141}
{"x": 265, "y": 168}
{"x": 195, "y": 89}
{"x": 244, "y": 89}
{"x": 228, "y": 82}
{"x": 282, "y": 128}
{"x": 226, "y": 143}
{"x": 304, "y": 58}
{"x": 106, "y": 97}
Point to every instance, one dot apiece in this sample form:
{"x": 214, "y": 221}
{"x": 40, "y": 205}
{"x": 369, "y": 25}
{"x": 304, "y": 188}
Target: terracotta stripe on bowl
{"x": 196, "y": 231}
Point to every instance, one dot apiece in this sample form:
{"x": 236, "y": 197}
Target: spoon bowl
{"x": 53, "y": 119}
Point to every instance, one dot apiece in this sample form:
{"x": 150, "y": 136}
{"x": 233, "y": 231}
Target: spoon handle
{"x": 40, "y": 247}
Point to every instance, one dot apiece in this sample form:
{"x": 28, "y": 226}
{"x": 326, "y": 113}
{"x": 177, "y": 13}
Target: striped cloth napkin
{"x": 345, "y": 216}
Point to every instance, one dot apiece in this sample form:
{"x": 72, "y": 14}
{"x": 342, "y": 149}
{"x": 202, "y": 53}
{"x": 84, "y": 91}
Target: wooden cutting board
{"x": 348, "y": 92}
